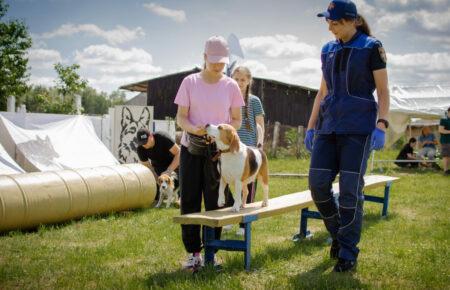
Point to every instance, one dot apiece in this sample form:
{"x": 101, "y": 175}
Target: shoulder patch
{"x": 382, "y": 53}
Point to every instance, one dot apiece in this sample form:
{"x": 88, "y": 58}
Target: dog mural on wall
{"x": 130, "y": 123}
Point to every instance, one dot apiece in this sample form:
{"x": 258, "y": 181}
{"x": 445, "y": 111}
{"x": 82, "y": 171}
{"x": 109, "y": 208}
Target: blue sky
{"x": 118, "y": 42}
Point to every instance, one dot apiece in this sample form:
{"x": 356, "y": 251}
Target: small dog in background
{"x": 167, "y": 189}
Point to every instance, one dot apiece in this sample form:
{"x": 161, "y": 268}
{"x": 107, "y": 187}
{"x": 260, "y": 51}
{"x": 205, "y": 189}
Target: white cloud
{"x": 423, "y": 61}
{"x": 107, "y": 59}
{"x": 115, "y": 36}
{"x": 433, "y": 21}
{"x": 277, "y": 46}
{"x": 39, "y": 58}
{"x": 45, "y": 81}
{"x": 175, "y": 15}
{"x": 107, "y": 67}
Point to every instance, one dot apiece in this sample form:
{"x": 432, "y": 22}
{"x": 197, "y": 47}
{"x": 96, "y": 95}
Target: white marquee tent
{"x": 67, "y": 144}
{"x": 425, "y": 102}
{"x": 7, "y": 164}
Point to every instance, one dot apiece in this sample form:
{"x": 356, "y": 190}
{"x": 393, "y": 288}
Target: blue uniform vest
{"x": 349, "y": 107}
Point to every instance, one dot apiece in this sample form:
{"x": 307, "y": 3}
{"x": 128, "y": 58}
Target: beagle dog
{"x": 167, "y": 189}
{"x": 239, "y": 165}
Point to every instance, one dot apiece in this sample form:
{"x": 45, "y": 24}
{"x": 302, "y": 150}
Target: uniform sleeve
{"x": 237, "y": 100}
{"x": 141, "y": 154}
{"x": 183, "y": 96}
{"x": 377, "y": 57}
{"x": 257, "y": 107}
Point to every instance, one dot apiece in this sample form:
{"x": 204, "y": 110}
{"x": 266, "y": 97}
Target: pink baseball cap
{"x": 216, "y": 50}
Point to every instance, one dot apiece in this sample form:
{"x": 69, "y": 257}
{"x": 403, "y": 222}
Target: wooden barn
{"x": 286, "y": 103}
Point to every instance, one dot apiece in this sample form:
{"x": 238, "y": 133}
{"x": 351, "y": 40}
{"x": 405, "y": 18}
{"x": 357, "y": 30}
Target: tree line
{"x": 15, "y": 41}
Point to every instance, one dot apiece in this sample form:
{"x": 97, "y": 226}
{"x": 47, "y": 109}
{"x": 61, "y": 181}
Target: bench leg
{"x": 304, "y": 216}
{"x": 248, "y": 242}
{"x": 208, "y": 236}
{"x": 387, "y": 190}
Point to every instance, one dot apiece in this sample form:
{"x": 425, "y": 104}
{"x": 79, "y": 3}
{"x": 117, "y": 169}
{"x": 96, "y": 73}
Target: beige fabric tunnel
{"x": 30, "y": 199}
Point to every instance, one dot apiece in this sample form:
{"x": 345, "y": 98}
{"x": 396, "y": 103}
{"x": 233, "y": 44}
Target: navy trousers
{"x": 346, "y": 155}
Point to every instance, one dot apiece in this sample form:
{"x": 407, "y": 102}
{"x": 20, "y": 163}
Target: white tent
{"x": 425, "y": 102}
{"x": 67, "y": 144}
{"x": 7, "y": 164}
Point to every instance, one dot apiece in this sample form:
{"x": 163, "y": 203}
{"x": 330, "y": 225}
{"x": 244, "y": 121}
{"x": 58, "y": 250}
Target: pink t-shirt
{"x": 208, "y": 103}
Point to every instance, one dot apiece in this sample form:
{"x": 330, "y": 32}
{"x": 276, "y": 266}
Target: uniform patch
{"x": 382, "y": 53}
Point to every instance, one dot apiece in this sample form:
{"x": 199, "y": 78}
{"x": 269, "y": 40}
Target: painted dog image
{"x": 239, "y": 165}
{"x": 130, "y": 124}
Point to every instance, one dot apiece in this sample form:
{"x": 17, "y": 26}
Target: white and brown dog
{"x": 239, "y": 165}
{"x": 167, "y": 189}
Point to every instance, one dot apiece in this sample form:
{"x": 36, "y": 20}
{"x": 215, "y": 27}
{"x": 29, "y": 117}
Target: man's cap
{"x": 339, "y": 9}
{"x": 216, "y": 50}
{"x": 142, "y": 136}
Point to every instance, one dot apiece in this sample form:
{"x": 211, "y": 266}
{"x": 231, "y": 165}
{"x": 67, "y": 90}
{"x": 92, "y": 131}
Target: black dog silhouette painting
{"x": 129, "y": 125}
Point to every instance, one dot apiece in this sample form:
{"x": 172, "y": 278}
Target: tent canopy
{"x": 67, "y": 144}
{"x": 425, "y": 102}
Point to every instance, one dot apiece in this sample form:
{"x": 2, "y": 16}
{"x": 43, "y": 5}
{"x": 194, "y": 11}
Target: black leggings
{"x": 198, "y": 175}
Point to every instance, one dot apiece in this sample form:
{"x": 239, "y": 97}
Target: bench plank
{"x": 277, "y": 205}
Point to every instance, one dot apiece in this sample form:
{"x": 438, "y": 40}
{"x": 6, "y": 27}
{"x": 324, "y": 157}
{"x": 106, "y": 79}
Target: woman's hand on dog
{"x": 200, "y": 131}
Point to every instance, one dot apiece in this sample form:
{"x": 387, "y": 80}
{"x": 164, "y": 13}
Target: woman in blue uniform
{"x": 346, "y": 123}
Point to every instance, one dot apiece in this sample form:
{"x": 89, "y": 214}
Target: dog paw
{"x": 236, "y": 207}
{"x": 265, "y": 203}
{"x": 220, "y": 203}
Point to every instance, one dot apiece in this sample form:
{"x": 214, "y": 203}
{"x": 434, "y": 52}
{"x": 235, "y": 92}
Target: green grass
{"x": 143, "y": 249}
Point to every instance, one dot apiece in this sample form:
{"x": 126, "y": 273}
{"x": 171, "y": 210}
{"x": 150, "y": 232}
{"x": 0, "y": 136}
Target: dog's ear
{"x": 127, "y": 117}
{"x": 145, "y": 117}
{"x": 159, "y": 180}
{"x": 234, "y": 141}
{"x": 171, "y": 184}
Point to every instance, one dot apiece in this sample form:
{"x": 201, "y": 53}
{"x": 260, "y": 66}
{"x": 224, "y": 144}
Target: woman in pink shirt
{"x": 207, "y": 97}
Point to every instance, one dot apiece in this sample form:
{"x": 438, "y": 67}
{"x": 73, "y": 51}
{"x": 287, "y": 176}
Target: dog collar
{"x": 217, "y": 156}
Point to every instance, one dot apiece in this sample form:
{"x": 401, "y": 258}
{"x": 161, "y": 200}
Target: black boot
{"x": 334, "y": 250}
{"x": 345, "y": 265}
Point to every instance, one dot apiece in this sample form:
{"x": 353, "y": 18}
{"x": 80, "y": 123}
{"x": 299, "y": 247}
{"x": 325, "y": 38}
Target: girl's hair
{"x": 361, "y": 24}
{"x": 246, "y": 71}
{"x": 412, "y": 140}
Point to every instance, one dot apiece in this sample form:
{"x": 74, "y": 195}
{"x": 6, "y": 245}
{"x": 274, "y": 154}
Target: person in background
{"x": 207, "y": 97}
{"x": 158, "y": 151}
{"x": 444, "y": 130}
{"x": 407, "y": 153}
{"x": 346, "y": 123}
{"x": 252, "y": 116}
{"x": 428, "y": 142}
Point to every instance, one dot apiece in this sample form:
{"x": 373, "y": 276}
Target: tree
{"x": 40, "y": 99}
{"x": 14, "y": 43}
{"x": 69, "y": 81}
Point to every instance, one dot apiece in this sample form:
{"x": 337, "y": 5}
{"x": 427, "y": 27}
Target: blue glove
{"x": 309, "y": 140}
{"x": 377, "y": 139}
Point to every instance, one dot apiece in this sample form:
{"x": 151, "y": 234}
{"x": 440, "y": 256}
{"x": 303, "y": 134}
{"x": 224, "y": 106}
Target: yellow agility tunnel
{"x": 30, "y": 199}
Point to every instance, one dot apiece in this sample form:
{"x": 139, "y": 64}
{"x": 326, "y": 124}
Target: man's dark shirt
{"x": 159, "y": 155}
{"x": 403, "y": 155}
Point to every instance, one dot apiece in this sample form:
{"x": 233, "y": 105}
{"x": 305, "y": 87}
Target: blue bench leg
{"x": 304, "y": 223}
{"x": 387, "y": 190}
{"x": 208, "y": 236}
{"x": 248, "y": 242}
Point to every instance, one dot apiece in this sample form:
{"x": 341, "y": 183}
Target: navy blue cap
{"x": 142, "y": 136}
{"x": 339, "y": 9}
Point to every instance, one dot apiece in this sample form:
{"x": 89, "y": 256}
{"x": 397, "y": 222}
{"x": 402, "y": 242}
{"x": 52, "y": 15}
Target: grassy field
{"x": 143, "y": 249}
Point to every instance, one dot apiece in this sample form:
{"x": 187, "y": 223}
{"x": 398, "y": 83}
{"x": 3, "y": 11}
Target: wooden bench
{"x": 278, "y": 205}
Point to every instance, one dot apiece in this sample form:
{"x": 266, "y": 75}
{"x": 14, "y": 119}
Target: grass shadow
{"x": 322, "y": 277}
{"x": 60, "y": 225}
{"x": 306, "y": 247}
{"x": 178, "y": 278}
